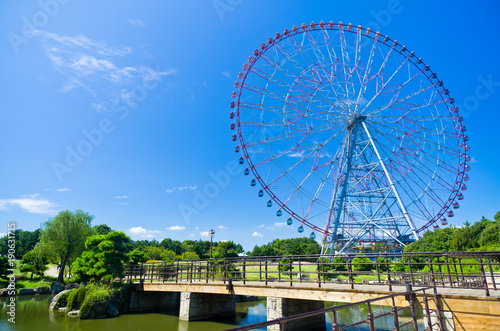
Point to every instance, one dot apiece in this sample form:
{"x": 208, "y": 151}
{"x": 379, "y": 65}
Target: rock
{"x": 74, "y": 313}
{"x": 56, "y": 287}
{"x": 26, "y": 291}
{"x": 5, "y": 292}
{"x": 42, "y": 290}
{"x": 71, "y": 286}
{"x": 112, "y": 310}
{"x": 54, "y": 300}
{"x": 62, "y": 309}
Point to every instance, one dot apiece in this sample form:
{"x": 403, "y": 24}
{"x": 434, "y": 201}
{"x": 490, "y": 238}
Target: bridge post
{"x": 197, "y": 306}
{"x": 281, "y": 307}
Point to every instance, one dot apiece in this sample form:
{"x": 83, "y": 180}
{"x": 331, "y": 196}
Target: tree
{"x": 362, "y": 263}
{"x": 64, "y": 236}
{"x": 189, "y": 256}
{"x": 102, "y": 229}
{"x": 35, "y": 262}
{"x": 4, "y": 266}
{"x": 103, "y": 259}
{"x": 25, "y": 242}
{"x": 136, "y": 256}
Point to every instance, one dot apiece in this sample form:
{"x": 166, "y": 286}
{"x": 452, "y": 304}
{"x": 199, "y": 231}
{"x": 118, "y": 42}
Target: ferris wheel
{"x": 349, "y": 133}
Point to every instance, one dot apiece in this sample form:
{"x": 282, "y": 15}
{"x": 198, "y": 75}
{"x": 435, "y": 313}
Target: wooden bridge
{"x": 448, "y": 291}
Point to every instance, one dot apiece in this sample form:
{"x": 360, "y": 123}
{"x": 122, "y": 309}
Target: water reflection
{"x": 32, "y": 314}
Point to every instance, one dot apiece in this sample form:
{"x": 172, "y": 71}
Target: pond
{"x": 32, "y": 314}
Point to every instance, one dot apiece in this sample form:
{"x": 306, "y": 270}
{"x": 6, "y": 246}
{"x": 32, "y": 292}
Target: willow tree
{"x": 64, "y": 236}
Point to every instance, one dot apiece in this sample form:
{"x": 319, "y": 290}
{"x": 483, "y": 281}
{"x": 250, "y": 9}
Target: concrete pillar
{"x": 446, "y": 320}
{"x": 197, "y": 306}
{"x": 280, "y": 307}
{"x": 142, "y": 300}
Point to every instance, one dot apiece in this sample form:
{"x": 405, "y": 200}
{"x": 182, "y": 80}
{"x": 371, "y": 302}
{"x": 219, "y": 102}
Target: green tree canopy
{"x": 64, "y": 236}
{"x": 35, "y": 262}
{"x": 104, "y": 258}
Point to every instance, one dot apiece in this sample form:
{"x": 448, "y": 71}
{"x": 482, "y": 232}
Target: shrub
{"x": 362, "y": 263}
{"x": 95, "y": 304}
{"x": 76, "y": 298}
{"x": 285, "y": 264}
{"x": 63, "y": 299}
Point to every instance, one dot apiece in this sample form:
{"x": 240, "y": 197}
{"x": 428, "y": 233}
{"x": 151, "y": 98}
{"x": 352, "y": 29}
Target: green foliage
{"x": 95, "y": 303}
{"x": 63, "y": 300}
{"x": 76, "y": 298}
{"x": 399, "y": 266}
{"x": 285, "y": 264}
{"x": 4, "y": 266}
{"x": 482, "y": 235}
{"x": 25, "y": 241}
{"x": 189, "y": 256}
{"x": 102, "y": 229}
{"x": 136, "y": 256}
{"x": 295, "y": 246}
{"x": 64, "y": 236}
{"x": 35, "y": 262}
{"x": 381, "y": 264}
{"x": 104, "y": 258}
{"x": 362, "y": 263}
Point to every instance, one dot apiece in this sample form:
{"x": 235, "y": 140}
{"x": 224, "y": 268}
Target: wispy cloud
{"x": 226, "y": 73}
{"x": 121, "y": 196}
{"x": 138, "y": 23}
{"x": 139, "y": 230}
{"x": 182, "y": 188}
{"x": 92, "y": 65}
{"x": 257, "y": 234}
{"x": 57, "y": 190}
{"x": 204, "y": 234}
{"x": 261, "y": 226}
{"x": 33, "y": 203}
{"x": 123, "y": 203}
{"x": 176, "y": 228}
{"x": 222, "y": 227}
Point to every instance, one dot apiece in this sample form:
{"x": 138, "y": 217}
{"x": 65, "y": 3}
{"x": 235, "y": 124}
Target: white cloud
{"x": 123, "y": 203}
{"x": 121, "y": 197}
{"x": 261, "y": 226}
{"x": 278, "y": 224}
{"x": 180, "y": 188}
{"x": 191, "y": 235}
{"x": 222, "y": 227}
{"x": 62, "y": 189}
{"x": 91, "y": 65}
{"x": 145, "y": 233}
{"x": 257, "y": 234}
{"x": 138, "y": 23}
{"x": 137, "y": 230}
{"x": 226, "y": 73}
{"x": 176, "y": 228}
{"x": 204, "y": 234}
{"x": 32, "y": 203}
{"x": 3, "y": 235}
{"x": 473, "y": 160}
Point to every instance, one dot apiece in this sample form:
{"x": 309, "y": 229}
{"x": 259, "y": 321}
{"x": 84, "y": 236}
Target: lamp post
{"x": 211, "y": 233}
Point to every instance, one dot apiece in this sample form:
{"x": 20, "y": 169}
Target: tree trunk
{"x": 60, "y": 277}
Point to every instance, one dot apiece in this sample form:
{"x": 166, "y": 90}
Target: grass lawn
{"x": 26, "y": 282}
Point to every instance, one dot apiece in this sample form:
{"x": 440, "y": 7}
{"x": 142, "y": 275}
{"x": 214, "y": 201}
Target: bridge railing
{"x": 418, "y": 311}
{"x": 477, "y": 270}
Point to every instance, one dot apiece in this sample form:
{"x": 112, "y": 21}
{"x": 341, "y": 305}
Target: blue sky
{"x": 120, "y": 108}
